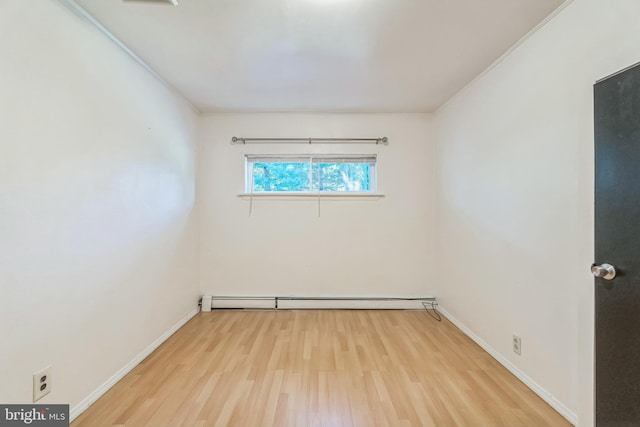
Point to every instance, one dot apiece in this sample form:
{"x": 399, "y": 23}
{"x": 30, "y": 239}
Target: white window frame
{"x": 250, "y": 159}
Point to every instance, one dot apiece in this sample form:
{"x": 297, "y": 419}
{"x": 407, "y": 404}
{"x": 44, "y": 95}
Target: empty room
{"x": 319, "y": 213}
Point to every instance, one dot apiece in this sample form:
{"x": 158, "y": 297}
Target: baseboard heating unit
{"x": 295, "y": 303}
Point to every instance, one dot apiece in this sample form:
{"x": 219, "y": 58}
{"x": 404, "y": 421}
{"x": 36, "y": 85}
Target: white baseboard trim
{"x": 317, "y": 303}
{"x": 350, "y": 304}
{"x": 97, "y": 393}
{"x": 535, "y": 387}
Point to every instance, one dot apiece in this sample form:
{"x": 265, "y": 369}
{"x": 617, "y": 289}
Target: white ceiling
{"x": 320, "y": 55}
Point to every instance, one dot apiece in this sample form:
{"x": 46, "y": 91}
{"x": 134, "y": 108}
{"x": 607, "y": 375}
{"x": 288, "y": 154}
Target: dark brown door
{"x": 617, "y": 243}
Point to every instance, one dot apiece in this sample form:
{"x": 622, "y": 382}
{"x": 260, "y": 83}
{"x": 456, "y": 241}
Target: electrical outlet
{"x": 41, "y": 383}
{"x": 517, "y": 344}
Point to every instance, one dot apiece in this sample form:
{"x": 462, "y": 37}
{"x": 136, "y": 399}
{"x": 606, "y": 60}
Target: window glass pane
{"x": 312, "y": 173}
{"x": 280, "y": 176}
{"x": 342, "y": 176}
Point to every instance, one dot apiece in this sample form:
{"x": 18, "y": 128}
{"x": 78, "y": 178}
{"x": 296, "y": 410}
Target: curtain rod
{"x": 236, "y": 140}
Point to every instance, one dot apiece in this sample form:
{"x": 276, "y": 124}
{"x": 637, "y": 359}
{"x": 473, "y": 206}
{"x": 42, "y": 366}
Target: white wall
{"x": 374, "y": 247}
{"x": 97, "y": 238}
{"x": 515, "y": 196}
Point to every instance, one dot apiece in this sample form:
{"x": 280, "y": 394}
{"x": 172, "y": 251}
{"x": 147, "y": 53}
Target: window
{"x": 311, "y": 174}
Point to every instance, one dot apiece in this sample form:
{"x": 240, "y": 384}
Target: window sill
{"x": 312, "y": 195}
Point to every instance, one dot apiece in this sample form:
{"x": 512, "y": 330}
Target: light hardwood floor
{"x": 319, "y": 368}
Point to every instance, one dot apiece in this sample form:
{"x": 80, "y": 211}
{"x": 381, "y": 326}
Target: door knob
{"x": 604, "y": 271}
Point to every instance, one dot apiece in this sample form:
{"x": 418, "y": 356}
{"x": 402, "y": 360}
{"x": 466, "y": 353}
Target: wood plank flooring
{"x": 319, "y": 368}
